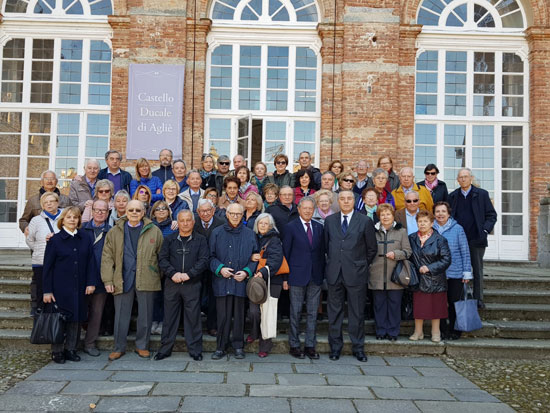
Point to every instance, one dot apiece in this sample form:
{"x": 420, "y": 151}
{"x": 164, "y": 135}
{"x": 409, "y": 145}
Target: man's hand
{"x": 48, "y": 298}
{"x": 227, "y": 272}
{"x": 258, "y": 275}
{"x": 174, "y": 225}
{"x": 110, "y": 288}
{"x": 240, "y": 276}
{"x": 90, "y": 289}
{"x": 285, "y": 285}
{"x": 177, "y": 277}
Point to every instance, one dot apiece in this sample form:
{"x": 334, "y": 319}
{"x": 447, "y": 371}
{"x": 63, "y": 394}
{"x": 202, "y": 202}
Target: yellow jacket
{"x": 426, "y": 201}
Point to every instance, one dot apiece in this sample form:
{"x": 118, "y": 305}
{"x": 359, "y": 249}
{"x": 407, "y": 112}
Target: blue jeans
{"x": 312, "y": 295}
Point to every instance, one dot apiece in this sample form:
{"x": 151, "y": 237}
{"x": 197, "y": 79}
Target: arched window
{"x": 471, "y": 106}
{"x": 55, "y": 96}
{"x": 263, "y": 84}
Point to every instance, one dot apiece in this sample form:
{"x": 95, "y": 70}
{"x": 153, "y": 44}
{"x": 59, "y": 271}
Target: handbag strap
{"x": 268, "y": 282}
{"x": 466, "y": 292}
{"x": 49, "y": 224}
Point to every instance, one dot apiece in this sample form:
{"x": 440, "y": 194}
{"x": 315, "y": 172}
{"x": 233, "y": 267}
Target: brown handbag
{"x": 284, "y": 269}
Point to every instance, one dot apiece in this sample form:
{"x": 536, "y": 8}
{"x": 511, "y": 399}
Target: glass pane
{"x": 71, "y": 49}
{"x": 33, "y": 186}
{"x": 483, "y": 135}
{"x": 220, "y": 99}
{"x": 9, "y": 167}
{"x": 484, "y": 62}
{"x": 12, "y": 92}
{"x": 98, "y": 125}
{"x": 222, "y": 55}
{"x": 488, "y": 21}
{"x": 304, "y": 131}
{"x": 39, "y": 145}
{"x": 12, "y": 69}
{"x": 512, "y": 63}
{"x": 512, "y": 225}
{"x": 305, "y": 79}
{"x": 455, "y": 135}
{"x": 222, "y": 12}
{"x": 506, "y": 6}
{"x": 308, "y": 14}
{"x": 434, "y": 5}
{"x": 455, "y": 105}
{"x": 41, "y": 93}
{"x": 455, "y": 62}
{"x": 512, "y": 85}
{"x": 427, "y": 61}
{"x": 249, "y": 99}
{"x": 14, "y": 49}
{"x": 10, "y": 122}
{"x": 455, "y": 83}
{"x": 278, "y": 78}
{"x": 512, "y": 106}
{"x": 281, "y": 16}
{"x": 512, "y": 202}
{"x": 276, "y": 100}
{"x": 96, "y": 146}
{"x": 249, "y": 78}
{"x": 484, "y": 105}
{"x": 512, "y": 180}
{"x": 427, "y": 19}
{"x": 218, "y": 148}
{"x": 100, "y": 72}
{"x": 68, "y": 123}
{"x": 275, "y": 131}
{"x": 65, "y": 168}
{"x": 513, "y": 20}
{"x": 100, "y": 51}
{"x": 512, "y": 136}
{"x": 277, "y": 56}
{"x": 42, "y": 71}
{"x": 42, "y": 49}
{"x": 483, "y": 157}
{"x": 242, "y": 147}
{"x": 220, "y": 129}
{"x": 248, "y": 14}
{"x": 484, "y": 84}
{"x": 305, "y": 57}
{"x": 35, "y": 167}
{"x": 455, "y": 157}
{"x": 424, "y": 155}
{"x": 69, "y": 93}
{"x": 250, "y": 56}
{"x": 10, "y": 144}
{"x": 426, "y": 104}
{"x": 8, "y": 210}
{"x": 67, "y": 146}
{"x": 40, "y": 122}
{"x": 99, "y": 94}
{"x": 71, "y": 72}
{"x": 305, "y": 101}
{"x": 454, "y": 21}
{"x": 485, "y": 179}
{"x": 101, "y": 7}
{"x": 220, "y": 77}
{"x": 512, "y": 158}
{"x": 425, "y": 134}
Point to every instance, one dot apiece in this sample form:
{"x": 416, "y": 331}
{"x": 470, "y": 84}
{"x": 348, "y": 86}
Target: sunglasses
{"x": 280, "y": 163}
{"x": 410, "y": 201}
{"x": 142, "y": 191}
{"x": 348, "y": 180}
{"x": 161, "y": 209}
{"x": 225, "y": 163}
{"x": 135, "y": 210}
{"x": 430, "y": 173}
{"x": 104, "y": 191}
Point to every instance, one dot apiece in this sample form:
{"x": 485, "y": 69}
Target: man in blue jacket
{"x": 473, "y": 210}
{"x": 231, "y": 249}
{"x": 120, "y": 179}
{"x": 303, "y": 245}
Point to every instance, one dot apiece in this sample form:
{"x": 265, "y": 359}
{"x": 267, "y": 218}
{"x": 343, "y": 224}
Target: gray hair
{"x": 412, "y": 192}
{"x": 237, "y": 156}
{"x": 308, "y": 154}
{"x": 329, "y": 173}
{"x": 307, "y": 199}
{"x": 464, "y": 169}
{"x": 186, "y": 211}
{"x": 91, "y": 160}
{"x": 379, "y": 171}
{"x": 104, "y": 183}
{"x": 344, "y": 191}
{"x": 285, "y": 187}
{"x": 180, "y": 161}
{"x": 235, "y": 204}
{"x": 406, "y": 168}
{"x": 223, "y": 158}
{"x": 124, "y": 193}
{"x": 204, "y": 201}
{"x": 259, "y": 200}
{"x": 111, "y": 152}
{"x": 270, "y": 219}
{"x": 166, "y": 149}
{"x": 49, "y": 171}
{"x": 194, "y": 171}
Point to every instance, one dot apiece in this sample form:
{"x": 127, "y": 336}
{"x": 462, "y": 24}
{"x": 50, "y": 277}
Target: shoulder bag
{"x": 284, "y": 269}
{"x": 268, "y": 311}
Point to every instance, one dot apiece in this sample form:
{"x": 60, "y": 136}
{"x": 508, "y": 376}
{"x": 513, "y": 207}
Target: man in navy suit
{"x": 303, "y": 245}
{"x": 350, "y": 242}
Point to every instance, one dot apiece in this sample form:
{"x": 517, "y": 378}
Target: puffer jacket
{"x": 395, "y": 239}
{"x": 435, "y": 254}
{"x": 36, "y": 240}
{"x": 273, "y": 254}
{"x": 147, "y": 269}
{"x": 461, "y": 266}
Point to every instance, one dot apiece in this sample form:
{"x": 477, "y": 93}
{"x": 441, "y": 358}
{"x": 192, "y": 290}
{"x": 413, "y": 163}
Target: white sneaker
{"x": 154, "y": 327}
{"x": 158, "y": 330}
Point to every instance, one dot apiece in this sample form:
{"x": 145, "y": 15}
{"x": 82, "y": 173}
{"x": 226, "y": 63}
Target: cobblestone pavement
{"x": 16, "y": 365}
{"x": 275, "y": 384}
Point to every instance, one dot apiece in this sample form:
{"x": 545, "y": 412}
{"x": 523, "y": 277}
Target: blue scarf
{"x": 52, "y": 216}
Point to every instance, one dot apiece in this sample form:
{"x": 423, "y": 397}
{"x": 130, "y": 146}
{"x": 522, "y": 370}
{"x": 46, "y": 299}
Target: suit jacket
{"x": 125, "y": 178}
{"x": 352, "y": 253}
{"x": 216, "y": 222}
{"x": 306, "y": 262}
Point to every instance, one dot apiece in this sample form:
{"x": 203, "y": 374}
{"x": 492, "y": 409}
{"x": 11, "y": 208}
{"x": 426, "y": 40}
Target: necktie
{"x": 206, "y": 225}
{"x": 345, "y": 225}
{"x": 309, "y": 233}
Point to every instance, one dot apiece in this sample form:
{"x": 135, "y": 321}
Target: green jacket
{"x": 147, "y": 269}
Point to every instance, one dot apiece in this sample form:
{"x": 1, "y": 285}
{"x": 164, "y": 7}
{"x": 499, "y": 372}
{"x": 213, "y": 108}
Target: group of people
{"x": 181, "y": 242}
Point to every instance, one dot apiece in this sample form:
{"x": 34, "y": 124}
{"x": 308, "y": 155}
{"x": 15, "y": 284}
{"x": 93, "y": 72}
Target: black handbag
{"x": 48, "y": 327}
{"x": 404, "y": 274}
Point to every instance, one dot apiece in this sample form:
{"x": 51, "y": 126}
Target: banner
{"x": 155, "y": 110}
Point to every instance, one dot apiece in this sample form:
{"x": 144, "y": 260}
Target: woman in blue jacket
{"x": 460, "y": 270}
{"x": 144, "y": 177}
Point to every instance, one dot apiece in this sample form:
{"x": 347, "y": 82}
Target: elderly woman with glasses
{"x": 437, "y": 188}
{"x": 380, "y": 183}
{"x": 104, "y": 191}
{"x": 143, "y": 194}
{"x": 170, "y": 191}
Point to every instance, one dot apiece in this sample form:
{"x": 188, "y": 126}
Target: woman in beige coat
{"x": 393, "y": 246}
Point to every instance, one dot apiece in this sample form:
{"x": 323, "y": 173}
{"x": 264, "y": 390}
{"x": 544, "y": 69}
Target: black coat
{"x": 69, "y": 267}
{"x": 485, "y": 215}
{"x": 436, "y": 255}
{"x": 209, "y": 181}
{"x": 88, "y": 228}
{"x": 273, "y": 254}
{"x": 216, "y": 222}
{"x": 250, "y": 222}
{"x": 125, "y": 178}
{"x": 196, "y": 252}
{"x": 440, "y": 192}
{"x": 282, "y": 216}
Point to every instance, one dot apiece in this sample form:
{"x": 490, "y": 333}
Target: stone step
{"x": 516, "y": 283}
{"x": 526, "y": 312}
{"x": 15, "y": 286}
{"x": 516, "y": 296}
{"x": 465, "y": 347}
{"x": 15, "y": 301}
{"x": 14, "y": 272}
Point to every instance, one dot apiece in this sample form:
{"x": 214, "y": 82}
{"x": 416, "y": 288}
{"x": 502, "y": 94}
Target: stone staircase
{"x": 516, "y": 321}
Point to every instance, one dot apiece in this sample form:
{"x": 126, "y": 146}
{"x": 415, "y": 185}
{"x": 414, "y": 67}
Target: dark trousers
{"x": 476, "y": 256}
{"x": 454, "y": 293}
{"x": 230, "y": 313}
{"x": 256, "y": 318}
{"x": 387, "y": 311}
{"x": 208, "y": 301}
{"x": 356, "y": 315}
{"x": 123, "y": 313}
{"x": 72, "y": 333}
{"x": 96, "y": 302}
{"x": 312, "y": 294}
{"x": 37, "y": 293}
{"x": 158, "y": 305}
{"x": 177, "y": 296}
{"x": 108, "y": 318}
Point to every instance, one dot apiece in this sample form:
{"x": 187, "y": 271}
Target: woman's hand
{"x": 391, "y": 255}
{"x": 465, "y": 281}
{"x": 424, "y": 269}
{"x": 51, "y": 234}
{"x": 285, "y": 285}
{"x": 258, "y": 275}
{"x": 90, "y": 289}
{"x": 174, "y": 225}
{"x": 256, "y": 257}
{"x": 49, "y": 298}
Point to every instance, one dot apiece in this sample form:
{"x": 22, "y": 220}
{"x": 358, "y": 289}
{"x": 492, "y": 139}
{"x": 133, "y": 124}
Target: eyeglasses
{"x": 170, "y": 189}
{"x": 100, "y": 211}
{"x": 280, "y": 163}
{"x": 135, "y": 210}
{"x": 225, "y": 163}
{"x": 204, "y": 211}
{"x": 211, "y": 195}
{"x": 430, "y": 173}
{"x": 104, "y": 191}
{"x": 162, "y": 208}
{"x": 235, "y": 214}
{"x": 142, "y": 191}
{"x": 348, "y": 180}
{"x": 410, "y": 201}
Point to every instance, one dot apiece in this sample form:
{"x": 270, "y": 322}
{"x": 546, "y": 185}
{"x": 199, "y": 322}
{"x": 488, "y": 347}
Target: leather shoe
{"x": 144, "y": 354}
{"x": 239, "y": 353}
{"x": 334, "y": 355}
{"x": 115, "y": 355}
{"x": 262, "y": 354}
{"x": 360, "y": 356}
{"x": 58, "y": 357}
{"x": 249, "y": 340}
{"x": 392, "y": 338}
{"x": 197, "y": 357}
{"x": 92, "y": 351}
{"x": 311, "y": 353}
{"x": 296, "y": 352}
{"x": 213, "y": 332}
{"x": 161, "y": 356}
{"x": 218, "y": 354}
{"x": 480, "y": 305}
{"x": 71, "y": 355}
{"x": 380, "y": 337}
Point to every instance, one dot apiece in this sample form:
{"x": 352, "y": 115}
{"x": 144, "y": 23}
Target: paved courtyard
{"x": 278, "y": 383}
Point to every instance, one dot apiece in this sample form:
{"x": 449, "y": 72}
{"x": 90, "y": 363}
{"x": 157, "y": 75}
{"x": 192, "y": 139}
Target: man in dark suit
{"x": 350, "y": 242}
{"x": 120, "y": 179}
{"x": 303, "y": 245}
{"x": 472, "y": 208}
{"x": 284, "y": 210}
{"x": 204, "y": 225}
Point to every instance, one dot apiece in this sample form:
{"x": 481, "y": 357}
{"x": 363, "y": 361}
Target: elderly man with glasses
{"x": 407, "y": 216}
{"x": 129, "y": 268}
{"x": 406, "y": 179}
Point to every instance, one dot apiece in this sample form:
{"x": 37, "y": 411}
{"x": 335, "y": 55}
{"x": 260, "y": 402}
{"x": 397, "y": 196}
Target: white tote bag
{"x": 268, "y": 312}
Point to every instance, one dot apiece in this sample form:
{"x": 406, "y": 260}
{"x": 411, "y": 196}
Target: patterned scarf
{"x": 425, "y": 237}
{"x": 431, "y": 186}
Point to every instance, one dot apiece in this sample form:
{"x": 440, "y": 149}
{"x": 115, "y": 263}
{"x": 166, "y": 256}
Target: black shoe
{"x": 218, "y": 354}
{"x": 296, "y": 352}
{"x": 196, "y": 357}
{"x": 454, "y": 336}
{"x": 161, "y": 356}
{"x": 58, "y": 358}
{"x": 480, "y": 305}
{"x": 334, "y": 355}
{"x": 213, "y": 332}
{"x": 391, "y": 338}
{"x": 311, "y": 353}
{"x": 360, "y": 356}
{"x": 381, "y": 337}
{"x": 71, "y": 355}
{"x": 239, "y": 354}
